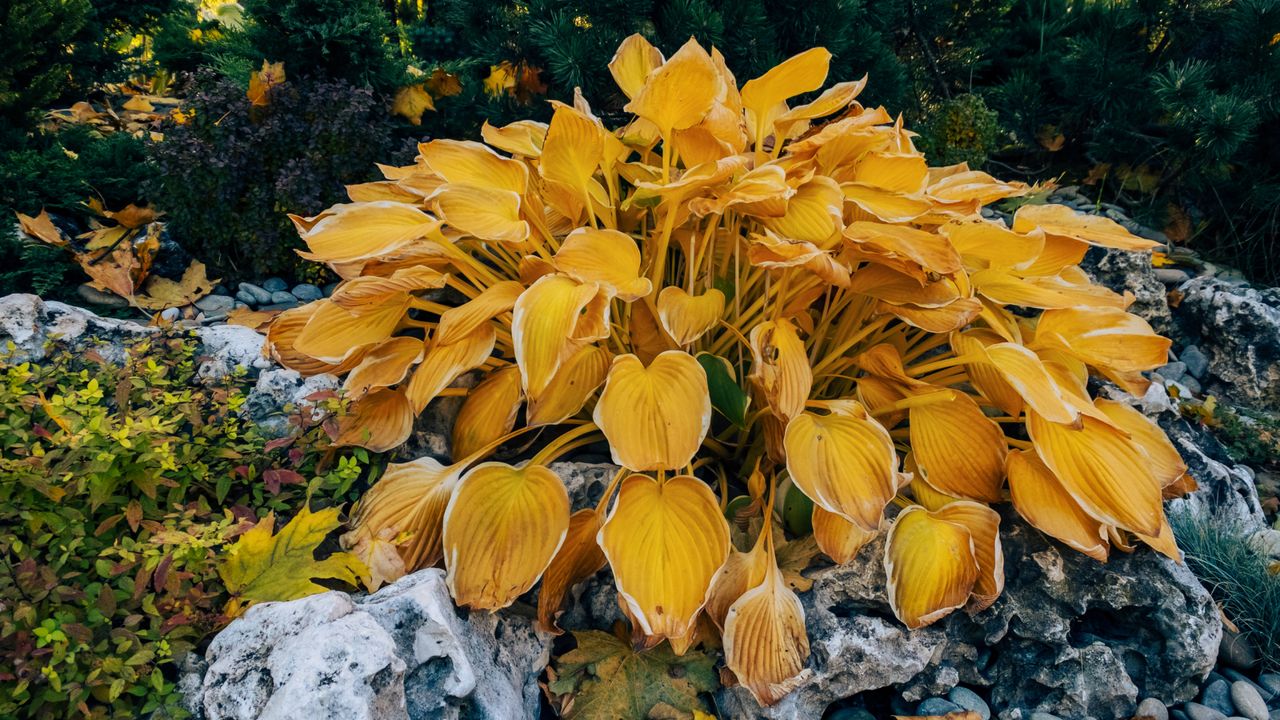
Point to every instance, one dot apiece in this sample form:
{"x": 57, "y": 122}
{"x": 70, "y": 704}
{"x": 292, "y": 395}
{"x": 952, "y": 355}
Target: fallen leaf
{"x": 42, "y": 228}
{"x": 254, "y": 319}
{"x": 264, "y": 566}
{"x": 159, "y": 292}
{"x": 443, "y": 83}
{"x": 261, "y": 83}
{"x": 606, "y": 679}
{"x": 1050, "y": 139}
{"x": 137, "y": 103}
{"x": 411, "y": 101}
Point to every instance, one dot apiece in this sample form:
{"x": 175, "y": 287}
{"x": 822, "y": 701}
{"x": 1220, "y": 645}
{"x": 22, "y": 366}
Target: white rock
{"x": 229, "y": 346}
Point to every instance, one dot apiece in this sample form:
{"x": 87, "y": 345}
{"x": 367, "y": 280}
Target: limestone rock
{"x": 403, "y": 652}
{"x": 1122, "y": 271}
{"x": 31, "y": 323}
{"x": 1238, "y": 328}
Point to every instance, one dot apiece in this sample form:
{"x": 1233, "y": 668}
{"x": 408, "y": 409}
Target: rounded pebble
{"x": 937, "y": 706}
{"x": 1196, "y": 711}
{"x": 259, "y": 295}
{"x": 282, "y": 296}
{"x": 1217, "y": 695}
{"x": 328, "y": 289}
{"x": 1153, "y": 709}
{"x": 970, "y": 700}
{"x": 1248, "y": 701}
{"x": 307, "y": 292}
{"x": 1270, "y": 681}
{"x": 1234, "y": 650}
{"x": 1043, "y": 716}
{"x": 275, "y": 284}
{"x": 171, "y": 314}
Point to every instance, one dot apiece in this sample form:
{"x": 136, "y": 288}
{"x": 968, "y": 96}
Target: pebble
{"x": 241, "y": 306}
{"x": 307, "y": 292}
{"x": 1172, "y": 371}
{"x": 275, "y": 284}
{"x": 970, "y": 700}
{"x": 220, "y": 289}
{"x": 1248, "y": 701}
{"x": 328, "y": 289}
{"x": 852, "y": 714}
{"x": 282, "y": 296}
{"x": 259, "y": 295}
{"x": 1152, "y": 709}
{"x": 1191, "y": 384}
{"x": 1172, "y": 276}
{"x": 1236, "y": 675}
{"x": 216, "y": 303}
{"x": 1270, "y": 681}
{"x": 98, "y": 297}
{"x": 246, "y": 298}
{"x": 1043, "y": 716}
{"x": 1197, "y": 362}
{"x": 171, "y": 314}
{"x": 1235, "y": 651}
{"x": 281, "y": 306}
{"x": 937, "y": 706}
{"x": 1176, "y": 714}
{"x": 1196, "y": 711}
{"x": 1217, "y": 695}
{"x": 988, "y": 213}
{"x": 1275, "y": 715}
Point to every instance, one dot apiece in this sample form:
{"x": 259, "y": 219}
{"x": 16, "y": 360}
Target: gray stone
{"x": 1248, "y": 701}
{"x": 852, "y": 714}
{"x": 261, "y": 296}
{"x": 1236, "y": 676}
{"x": 937, "y": 706}
{"x": 216, "y": 304}
{"x": 328, "y": 289}
{"x": 1171, "y": 276}
{"x": 279, "y": 391}
{"x": 1217, "y": 695}
{"x": 30, "y": 324}
{"x": 1152, "y": 709}
{"x": 1196, "y": 711}
{"x": 95, "y": 296}
{"x": 970, "y": 700}
{"x": 1191, "y": 385}
{"x": 1178, "y": 714}
{"x": 282, "y": 306}
{"x": 171, "y": 314}
{"x": 1238, "y": 329}
{"x": 1043, "y": 716}
{"x": 1172, "y": 371}
{"x": 307, "y": 292}
{"x": 1069, "y": 636}
{"x": 227, "y": 347}
{"x": 1270, "y": 681}
{"x": 1195, "y": 360}
{"x": 282, "y": 296}
{"x": 246, "y": 298}
{"x": 433, "y": 428}
{"x": 1236, "y": 651}
{"x": 1123, "y": 271}
{"x": 275, "y": 284}
{"x": 402, "y": 652}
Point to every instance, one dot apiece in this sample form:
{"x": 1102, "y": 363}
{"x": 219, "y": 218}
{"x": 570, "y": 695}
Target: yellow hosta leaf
{"x": 573, "y": 150}
{"x": 983, "y": 525}
{"x": 358, "y": 231}
{"x": 1047, "y": 292}
{"x": 462, "y": 320}
{"x": 765, "y": 643}
{"x": 765, "y": 97}
{"x": 1046, "y": 504}
{"x": 262, "y": 566}
{"x": 988, "y": 244}
{"x": 973, "y": 185}
{"x": 665, "y": 542}
{"x": 930, "y": 565}
{"x": 1105, "y": 472}
{"x": 898, "y": 242}
{"x": 485, "y": 213}
{"x": 680, "y": 92}
{"x": 384, "y": 365}
{"x": 409, "y": 499}
{"x": 1103, "y": 337}
{"x": 654, "y": 417}
{"x": 381, "y": 556}
{"x": 741, "y": 572}
{"x": 1064, "y": 221}
{"x": 544, "y": 319}
{"x": 159, "y": 293}
{"x": 1166, "y": 463}
{"x": 780, "y": 367}
{"x": 607, "y": 257}
{"x": 1023, "y": 370}
{"x": 388, "y": 190}
{"x": 959, "y": 450}
{"x": 444, "y": 363}
{"x": 380, "y": 421}
{"x": 688, "y": 317}
{"x": 283, "y": 332}
{"x": 333, "y": 333}
{"x": 832, "y": 100}
{"x": 898, "y": 172}
{"x": 838, "y": 538}
{"x": 502, "y": 527}
{"x": 360, "y": 293}
{"x": 573, "y": 383}
{"x": 813, "y": 214}
{"x": 579, "y": 558}
{"x": 466, "y": 162}
{"x": 411, "y": 101}
{"x": 632, "y": 64}
{"x": 844, "y": 462}
{"x": 488, "y": 413}
{"x": 522, "y": 137}
{"x": 887, "y": 205}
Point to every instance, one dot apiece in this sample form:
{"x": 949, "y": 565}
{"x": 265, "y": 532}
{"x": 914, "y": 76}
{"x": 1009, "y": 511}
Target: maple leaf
{"x": 263, "y": 566}
{"x": 604, "y": 677}
{"x": 411, "y": 101}
{"x": 502, "y": 79}
{"x": 443, "y": 83}
{"x": 261, "y": 83}
{"x": 161, "y": 292}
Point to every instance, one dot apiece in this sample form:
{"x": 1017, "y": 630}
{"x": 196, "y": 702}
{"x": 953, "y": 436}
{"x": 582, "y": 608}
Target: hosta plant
{"x": 733, "y": 290}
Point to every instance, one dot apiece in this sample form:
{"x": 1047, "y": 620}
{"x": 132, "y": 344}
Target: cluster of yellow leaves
{"x": 737, "y": 288}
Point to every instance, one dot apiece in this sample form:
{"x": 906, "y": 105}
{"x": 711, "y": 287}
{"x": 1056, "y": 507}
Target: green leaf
{"x": 726, "y": 395}
{"x": 611, "y": 681}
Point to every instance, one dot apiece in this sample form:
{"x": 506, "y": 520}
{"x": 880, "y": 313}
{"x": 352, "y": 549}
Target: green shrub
{"x": 61, "y": 172}
{"x": 227, "y": 178}
{"x": 119, "y": 484}
{"x": 35, "y": 41}
{"x": 961, "y": 129}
